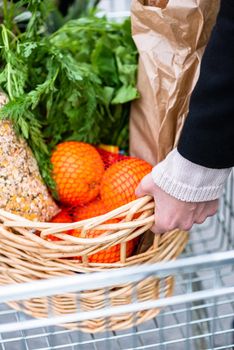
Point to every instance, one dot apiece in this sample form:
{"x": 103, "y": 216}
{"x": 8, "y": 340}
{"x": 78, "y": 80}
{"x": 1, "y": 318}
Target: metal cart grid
{"x": 199, "y": 316}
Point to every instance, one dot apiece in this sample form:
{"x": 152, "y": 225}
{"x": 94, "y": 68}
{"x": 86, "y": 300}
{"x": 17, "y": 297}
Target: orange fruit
{"x": 77, "y": 171}
{"x": 90, "y": 210}
{"x": 109, "y": 255}
{"x": 93, "y": 209}
{"x": 121, "y": 180}
{"x": 62, "y": 217}
{"x": 112, "y": 254}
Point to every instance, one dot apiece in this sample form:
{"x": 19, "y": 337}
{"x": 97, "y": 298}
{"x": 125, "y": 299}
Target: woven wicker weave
{"x": 26, "y": 256}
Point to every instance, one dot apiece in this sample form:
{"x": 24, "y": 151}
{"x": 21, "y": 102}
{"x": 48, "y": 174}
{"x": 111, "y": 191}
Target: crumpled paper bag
{"x": 171, "y": 37}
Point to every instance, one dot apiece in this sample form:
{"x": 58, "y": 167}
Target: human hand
{"x": 172, "y": 213}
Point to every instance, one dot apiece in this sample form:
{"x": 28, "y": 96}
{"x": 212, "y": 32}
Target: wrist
{"x": 188, "y": 181}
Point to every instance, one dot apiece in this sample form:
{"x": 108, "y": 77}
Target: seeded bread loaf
{"x": 22, "y": 190}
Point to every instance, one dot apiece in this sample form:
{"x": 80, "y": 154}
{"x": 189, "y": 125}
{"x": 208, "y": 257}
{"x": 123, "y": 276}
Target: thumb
{"x": 144, "y": 186}
{"x": 139, "y": 190}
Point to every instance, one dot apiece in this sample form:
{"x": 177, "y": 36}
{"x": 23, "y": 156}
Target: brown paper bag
{"x": 171, "y": 37}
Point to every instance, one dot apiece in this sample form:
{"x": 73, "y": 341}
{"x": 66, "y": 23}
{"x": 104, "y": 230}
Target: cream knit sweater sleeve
{"x": 188, "y": 181}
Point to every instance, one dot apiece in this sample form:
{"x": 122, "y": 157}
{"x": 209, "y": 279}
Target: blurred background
{"x": 108, "y": 6}
{"x": 64, "y": 10}
{"x": 115, "y": 5}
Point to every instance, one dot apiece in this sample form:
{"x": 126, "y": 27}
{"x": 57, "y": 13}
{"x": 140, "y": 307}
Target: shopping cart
{"x": 198, "y": 316}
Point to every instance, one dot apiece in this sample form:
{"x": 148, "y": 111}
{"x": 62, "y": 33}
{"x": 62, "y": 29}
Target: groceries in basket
{"x": 74, "y": 83}
{"x": 90, "y": 191}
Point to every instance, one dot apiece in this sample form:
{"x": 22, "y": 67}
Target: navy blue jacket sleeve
{"x": 207, "y": 137}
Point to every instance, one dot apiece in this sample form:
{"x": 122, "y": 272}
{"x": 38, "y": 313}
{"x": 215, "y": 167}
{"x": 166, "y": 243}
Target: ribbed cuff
{"x": 188, "y": 181}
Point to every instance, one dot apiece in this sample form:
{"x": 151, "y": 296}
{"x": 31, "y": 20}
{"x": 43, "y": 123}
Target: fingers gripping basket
{"x": 27, "y": 255}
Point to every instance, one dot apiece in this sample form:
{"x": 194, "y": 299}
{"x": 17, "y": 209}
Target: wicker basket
{"x": 26, "y": 256}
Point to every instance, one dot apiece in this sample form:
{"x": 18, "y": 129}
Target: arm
{"x": 187, "y": 184}
{"x": 208, "y": 135}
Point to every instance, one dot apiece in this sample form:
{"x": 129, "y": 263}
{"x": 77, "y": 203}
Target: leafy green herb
{"x": 73, "y": 84}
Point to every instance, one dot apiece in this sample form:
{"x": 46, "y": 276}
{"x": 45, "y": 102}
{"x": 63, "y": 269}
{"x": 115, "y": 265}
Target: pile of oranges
{"x": 92, "y": 182}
